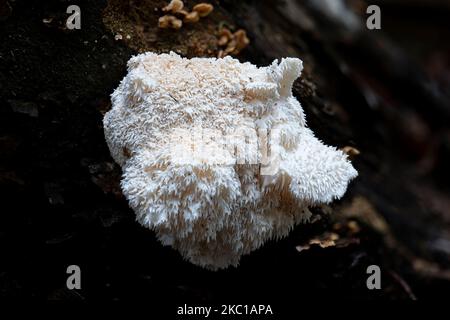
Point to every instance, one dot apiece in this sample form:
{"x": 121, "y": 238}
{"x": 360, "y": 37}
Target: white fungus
{"x": 216, "y": 155}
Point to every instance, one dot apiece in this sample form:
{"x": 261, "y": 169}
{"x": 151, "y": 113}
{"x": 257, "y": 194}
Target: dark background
{"x": 385, "y": 92}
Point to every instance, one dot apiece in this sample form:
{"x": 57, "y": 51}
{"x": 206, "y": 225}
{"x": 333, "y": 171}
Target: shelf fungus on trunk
{"x": 216, "y": 155}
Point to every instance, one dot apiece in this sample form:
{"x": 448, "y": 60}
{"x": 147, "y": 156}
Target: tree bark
{"x": 370, "y": 90}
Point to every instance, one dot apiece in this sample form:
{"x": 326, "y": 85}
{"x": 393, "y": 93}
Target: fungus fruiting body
{"x": 218, "y": 155}
{"x": 176, "y": 8}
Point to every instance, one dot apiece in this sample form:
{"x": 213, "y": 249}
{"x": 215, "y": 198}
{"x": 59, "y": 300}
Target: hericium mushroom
{"x": 216, "y": 154}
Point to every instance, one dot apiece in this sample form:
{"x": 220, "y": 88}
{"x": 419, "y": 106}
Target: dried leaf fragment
{"x": 192, "y": 17}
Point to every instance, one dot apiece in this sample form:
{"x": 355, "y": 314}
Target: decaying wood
{"x": 360, "y": 90}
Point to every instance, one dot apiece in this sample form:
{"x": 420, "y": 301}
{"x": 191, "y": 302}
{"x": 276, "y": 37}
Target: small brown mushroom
{"x": 225, "y": 36}
{"x": 350, "y": 151}
{"x": 191, "y": 17}
{"x": 221, "y": 54}
{"x": 223, "y": 40}
{"x": 203, "y": 9}
{"x": 231, "y": 46}
{"x": 174, "y": 6}
{"x": 226, "y": 32}
{"x": 177, "y": 24}
{"x": 169, "y": 21}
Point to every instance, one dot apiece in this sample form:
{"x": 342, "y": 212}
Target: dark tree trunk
{"x": 385, "y": 93}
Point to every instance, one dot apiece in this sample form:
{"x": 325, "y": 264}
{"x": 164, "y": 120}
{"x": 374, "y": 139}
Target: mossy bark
{"x": 63, "y": 203}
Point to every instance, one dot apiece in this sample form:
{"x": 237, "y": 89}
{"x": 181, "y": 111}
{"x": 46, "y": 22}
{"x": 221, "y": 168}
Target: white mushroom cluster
{"x": 216, "y": 155}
